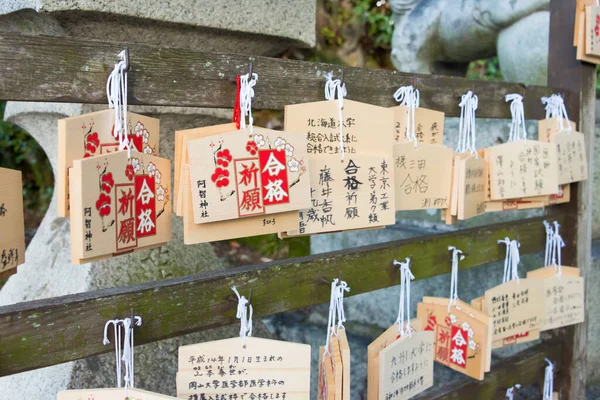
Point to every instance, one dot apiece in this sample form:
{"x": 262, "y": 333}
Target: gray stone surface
{"x": 234, "y": 24}
{"x": 523, "y": 50}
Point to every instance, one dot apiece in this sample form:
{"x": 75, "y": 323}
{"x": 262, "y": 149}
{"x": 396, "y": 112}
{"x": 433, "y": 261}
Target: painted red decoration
{"x": 273, "y": 173}
{"x": 458, "y": 347}
{"x": 145, "y": 206}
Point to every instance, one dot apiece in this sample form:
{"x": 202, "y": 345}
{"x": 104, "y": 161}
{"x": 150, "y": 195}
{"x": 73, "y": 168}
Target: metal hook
{"x": 125, "y": 57}
{"x": 343, "y": 83}
{"x": 250, "y": 293}
{"x": 250, "y": 73}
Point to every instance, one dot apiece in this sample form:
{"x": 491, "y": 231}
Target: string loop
{"x": 243, "y": 315}
{"x": 409, "y": 97}
{"x": 548, "y": 381}
{"x": 405, "y": 277}
{"x": 116, "y": 92}
{"x": 511, "y": 260}
{"x": 466, "y": 126}
{"x": 456, "y": 254}
{"x": 517, "y": 127}
{"x": 555, "y": 108}
{"x": 336, "y": 310}
{"x": 247, "y": 84}
{"x": 335, "y": 87}
{"x": 510, "y": 391}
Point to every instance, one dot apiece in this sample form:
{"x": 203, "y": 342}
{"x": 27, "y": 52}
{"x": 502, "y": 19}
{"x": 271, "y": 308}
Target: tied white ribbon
{"x": 243, "y": 316}
{"x": 558, "y": 244}
{"x": 548, "y": 381}
{"x": 405, "y": 277}
{"x": 333, "y": 87}
{"x": 510, "y": 391}
{"x": 466, "y": 126}
{"x": 555, "y": 108}
{"x": 511, "y": 260}
{"x": 456, "y": 254}
{"x": 409, "y": 97}
{"x": 116, "y": 92}
{"x": 247, "y": 84}
{"x": 336, "y": 310}
{"x": 549, "y": 243}
{"x": 517, "y": 126}
{"x": 124, "y": 356}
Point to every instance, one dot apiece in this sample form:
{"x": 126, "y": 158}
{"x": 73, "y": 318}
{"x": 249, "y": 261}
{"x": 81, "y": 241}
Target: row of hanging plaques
{"x": 586, "y": 34}
{"x": 454, "y": 333}
{"x": 337, "y": 165}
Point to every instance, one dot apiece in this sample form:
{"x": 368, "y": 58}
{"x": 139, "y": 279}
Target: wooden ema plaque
{"x": 523, "y": 168}
{"x": 581, "y": 47}
{"x": 334, "y": 368}
{"x": 462, "y": 335}
{"x": 91, "y": 135}
{"x": 423, "y": 176}
{"x": 429, "y": 125}
{"x": 356, "y": 192}
{"x": 119, "y": 205}
{"x": 326, "y": 390}
{"x": 564, "y": 296}
{"x": 226, "y": 369}
{"x": 111, "y": 394}
{"x": 550, "y": 126}
{"x": 237, "y": 174}
{"x": 12, "y": 224}
{"x": 592, "y": 31}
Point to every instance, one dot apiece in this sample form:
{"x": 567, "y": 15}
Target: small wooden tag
{"x": 119, "y": 205}
{"x": 345, "y": 352}
{"x": 462, "y": 341}
{"x": 12, "y": 231}
{"x": 242, "y": 175}
{"x": 582, "y": 39}
{"x": 111, "y": 394}
{"x": 515, "y": 306}
{"x": 423, "y": 176}
{"x": 472, "y": 177}
{"x": 429, "y": 125}
{"x": 570, "y": 152}
{"x": 550, "y": 126}
{"x": 564, "y": 296}
{"x": 580, "y": 22}
{"x": 262, "y": 368}
{"x": 406, "y": 366}
{"x": 326, "y": 378}
{"x": 90, "y": 135}
{"x": 522, "y": 169}
{"x": 592, "y": 35}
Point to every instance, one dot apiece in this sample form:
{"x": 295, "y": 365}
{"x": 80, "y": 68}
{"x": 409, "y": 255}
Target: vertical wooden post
{"x": 564, "y": 71}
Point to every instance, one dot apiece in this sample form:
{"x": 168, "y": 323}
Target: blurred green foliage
{"x": 18, "y": 150}
{"x": 487, "y": 69}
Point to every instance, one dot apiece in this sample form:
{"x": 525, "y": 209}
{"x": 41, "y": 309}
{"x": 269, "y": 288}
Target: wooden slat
{"x": 47, "y": 332}
{"x": 64, "y": 69}
{"x": 525, "y": 368}
{"x": 564, "y": 70}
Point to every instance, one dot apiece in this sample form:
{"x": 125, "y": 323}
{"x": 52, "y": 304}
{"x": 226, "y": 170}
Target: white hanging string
{"x": 405, "y": 277}
{"x": 247, "y": 84}
{"x": 558, "y": 244}
{"x": 549, "y": 243}
{"x": 548, "y": 381}
{"x": 339, "y": 304}
{"x": 243, "y": 316}
{"x": 466, "y": 127}
{"x": 511, "y": 260}
{"x": 506, "y": 276}
{"x": 333, "y": 87}
{"x": 332, "y": 314}
{"x": 105, "y": 341}
{"x": 116, "y": 92}
{"x": 454, "y": 275}
{"x": 409, "y": 97}
{"x": 510, "y": 392}
{"x": 555, "y": 108}
{"x": 517, "y": 127}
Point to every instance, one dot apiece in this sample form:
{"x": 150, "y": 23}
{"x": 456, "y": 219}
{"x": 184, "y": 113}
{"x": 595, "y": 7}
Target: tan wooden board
{"x": 345, "y": 352}
{"x": 338, "y": 368}
{"x": 581, "y": 47}
{"x": 571, "y": 158}
{"x": 472, "y": 177}
{"x": 550, "y": 126}
{"x": 12, "y": 224}
{"x": 92, "y": 134}
{"x": 429, "y": 125}
{"x": 111, "y": 394}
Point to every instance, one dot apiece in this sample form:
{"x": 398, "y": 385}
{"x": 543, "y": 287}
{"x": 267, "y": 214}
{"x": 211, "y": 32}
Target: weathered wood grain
{"x": 565, "y": 71}
{"x": 64, "y": 69}
{"x": 525, "y": 368}
{"x": 47, "y": 332}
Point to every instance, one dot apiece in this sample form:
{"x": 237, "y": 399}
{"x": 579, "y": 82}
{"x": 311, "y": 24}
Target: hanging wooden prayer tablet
{"x": 260, "y": 368}
{"x": 119, "y": 205}
{"x": 583, "y": 36}
{"x": 516, "y": 307}
{"x": 580, "y": 10}
{"x": 522, "y": 169}
{"x": 592, "y": 35}
{"x": 374, "y": 349}
{"x": 345, "y": 353}
{"x": 338, "y": 369}
{"x": 429, "y": 125}
{"x": 462, "y": 341}
{"x": 90, "y": 135}
{"x": 237, "y": 174}
{"x": 12, "y": 225}
{"x": 406, "y": 366}
{"x": 564, "y": 296}
{"x": 326, "y": 390}
{"x": 111, "y": 394}
{"x": 423, "y": 176}
{"x": 353, "y": 190}
{"x": 181, "y": 157}
{"x": 550, "y": 126}
{"x": 472, "y": 176}
{"x": 570, "y": 152}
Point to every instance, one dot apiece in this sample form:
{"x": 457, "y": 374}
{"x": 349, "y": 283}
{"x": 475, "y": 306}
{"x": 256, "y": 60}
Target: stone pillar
{"x": 257, "y": 27}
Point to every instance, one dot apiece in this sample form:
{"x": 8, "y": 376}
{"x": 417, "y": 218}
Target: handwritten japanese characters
{"x": 357, "y": 193}
{"x": 225, "y": 369}
{"x": 119, "y": 204}
{"x": 571, "y": 157}
{"x": 429, "y": 125}
{"x": 564, "y": 302}
{"x": 522, "y": 169}
{"x": 550, "y": 126}
{"x": 423, "y": 176}
{"x": 90, "y": 135}
{"x": 239, "y": 175}
{"x": 12, "y": 226}
{"x": 111, "y": 394}
{"x": 592, "y": 35}
{"x": 472, "y": 177}
{"x": 462, "y": 341}
{"x": 515, "y": 306}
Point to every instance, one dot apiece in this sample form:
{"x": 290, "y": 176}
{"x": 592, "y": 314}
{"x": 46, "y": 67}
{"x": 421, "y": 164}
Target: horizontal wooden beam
{"x": 47, "y": 332}
{"x": 525, "y": 368}
{"x": 66, "y": 69}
